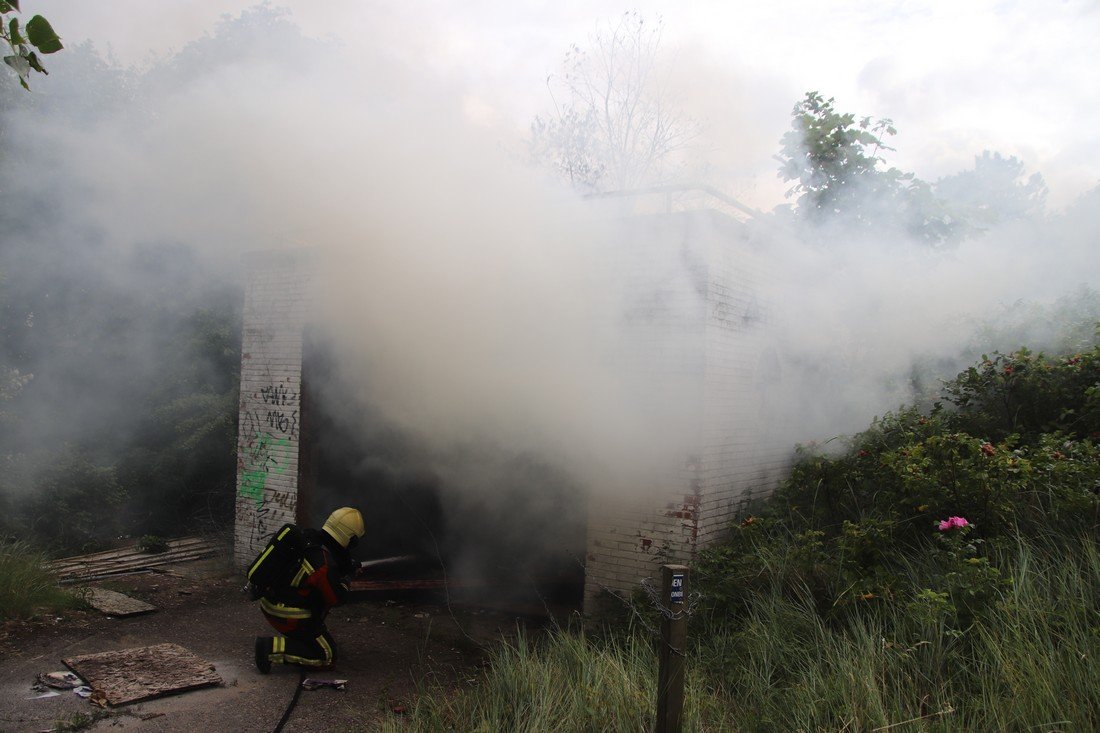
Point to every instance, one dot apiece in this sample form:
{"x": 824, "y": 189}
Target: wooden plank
{"x": 142, "y": 673}
{"x": 130, "y": 564}
{"x": 145, "y": 562}
{"x": 181, "y": 543}
{"x": 61, "y": 565}
{"x": 122, "y": 565}
{"x": 88, "y": 575}
{"x": 117, "y": 604}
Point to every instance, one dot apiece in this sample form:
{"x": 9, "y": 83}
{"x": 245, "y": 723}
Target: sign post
{"x": 670, "y": 673}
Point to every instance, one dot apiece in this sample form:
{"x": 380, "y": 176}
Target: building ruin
{"x": 294, "y": 460}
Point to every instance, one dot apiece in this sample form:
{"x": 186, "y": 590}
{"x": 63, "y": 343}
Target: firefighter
{"x": 297, "y": 610}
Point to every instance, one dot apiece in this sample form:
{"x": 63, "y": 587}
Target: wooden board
{"x": 130, "y": 675}
{"x": 129, "y": 559}
{"x": 116, "y": 604}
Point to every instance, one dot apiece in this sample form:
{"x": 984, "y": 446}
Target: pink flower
{"x": 952, "y": 523}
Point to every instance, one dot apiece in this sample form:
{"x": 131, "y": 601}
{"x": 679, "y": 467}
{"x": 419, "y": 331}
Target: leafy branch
{"x": 26, "y": 42}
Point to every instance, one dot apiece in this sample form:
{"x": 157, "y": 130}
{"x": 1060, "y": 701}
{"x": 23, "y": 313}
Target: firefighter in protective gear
{"x": 298, "y": 610}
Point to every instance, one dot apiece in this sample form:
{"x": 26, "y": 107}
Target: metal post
{"x": 670, "y": 673}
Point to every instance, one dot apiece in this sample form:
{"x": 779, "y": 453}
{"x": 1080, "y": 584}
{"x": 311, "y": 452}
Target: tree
{"x": 840, "y": 176}
{"x": 616, "y": 128}
{"x": 129, "y": 425}
{"x": 39, "y": 35}
{"x": 27, "y": 42}
{"x": 835, "y": 161}
{"x": 997, "y": 190}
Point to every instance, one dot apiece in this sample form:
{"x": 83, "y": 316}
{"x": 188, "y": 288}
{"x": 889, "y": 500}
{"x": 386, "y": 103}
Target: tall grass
{"x": 562, "y": 682}
{"x": 25, "y": 585}
{"x": 1032, "y": 662}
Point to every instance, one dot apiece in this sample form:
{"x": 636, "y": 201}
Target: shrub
{"x": 25, "y": 584}
{"x": 861, "y": 527}
{"x": 76, "y": 505}
{"x": 152, "y": 544}
{"x": 1028, "y": 394}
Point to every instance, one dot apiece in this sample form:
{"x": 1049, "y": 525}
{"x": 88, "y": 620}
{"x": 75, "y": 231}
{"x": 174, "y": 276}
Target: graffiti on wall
{"x": 266, "y": 431}
{"x": 258, "y": 462}
{"x": 277, "y": 413}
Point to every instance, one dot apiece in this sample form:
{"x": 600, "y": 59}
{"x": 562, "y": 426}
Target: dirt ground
{"x": 386, "y": 649}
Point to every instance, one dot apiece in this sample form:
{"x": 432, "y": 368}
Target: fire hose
{"x": 293, "y": 703}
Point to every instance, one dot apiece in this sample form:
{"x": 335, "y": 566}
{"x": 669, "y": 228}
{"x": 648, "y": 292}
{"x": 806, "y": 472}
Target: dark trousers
{"x": 304, "y": 641}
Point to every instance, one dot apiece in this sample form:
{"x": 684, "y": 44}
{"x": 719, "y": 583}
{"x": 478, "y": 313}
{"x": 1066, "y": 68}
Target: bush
{"x": 855, "y": 527}
{"x": 152, "y": 544}
{"x": 26, "y": 586}
{"x": 1027, "y": 395}
{"x": 75, "y": 505}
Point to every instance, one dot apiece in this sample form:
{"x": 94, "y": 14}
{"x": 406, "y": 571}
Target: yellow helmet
{"x": 344, "y": 524}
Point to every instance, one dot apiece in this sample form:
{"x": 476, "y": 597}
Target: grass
{"x": 75, "y": 722}
{"x": 1031, "y": 663}
{"x": 26, "y": 588}
{"x": 554, "y": 683}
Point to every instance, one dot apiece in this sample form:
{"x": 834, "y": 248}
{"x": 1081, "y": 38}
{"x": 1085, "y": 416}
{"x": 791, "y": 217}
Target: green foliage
{"x": 780, "y": 664}
{"x": 995, "y": 191}
{"x": 1029, "y": 395}
{"x": 79, "y": 721}
{"x": 833, "y": 159}
{"x": 134, "y": 346}
{"x": 141, "y": 383}
{"x": 835, "y": 163}
{"x": 854, "y": 559}
{"x": 184, "y": 459}
{"x": 1016, "y": 455}
{"x": 152, "y": 544}
{"x": 840, "y": 178}
{"x": 1066, "y": 326}
{"x": 27, "y": 42}
{"x": 25, "y": 586}
{"x": 76, "y": 504}
{"x": 567, "y": 681}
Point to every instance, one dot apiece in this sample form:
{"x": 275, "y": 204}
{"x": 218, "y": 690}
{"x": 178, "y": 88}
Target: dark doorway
{"x": 485, "y": 525}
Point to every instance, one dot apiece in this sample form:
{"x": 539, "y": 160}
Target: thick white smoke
{"x": 471, "y": 301}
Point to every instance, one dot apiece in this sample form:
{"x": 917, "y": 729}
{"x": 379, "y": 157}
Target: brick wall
{"x": 275, "y": 310}
{"x": 740, "y": 459}
{"x": 721, "y": 342}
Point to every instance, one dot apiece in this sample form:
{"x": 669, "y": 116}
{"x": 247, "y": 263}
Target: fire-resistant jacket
{"x": 322, "y": 581}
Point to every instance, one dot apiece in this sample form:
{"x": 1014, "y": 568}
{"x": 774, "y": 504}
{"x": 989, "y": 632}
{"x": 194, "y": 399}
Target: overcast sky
{"x": 1019, "y": 77}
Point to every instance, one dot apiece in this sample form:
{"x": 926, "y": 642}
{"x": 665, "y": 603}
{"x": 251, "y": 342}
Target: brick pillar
{"x": 276, "y": 307}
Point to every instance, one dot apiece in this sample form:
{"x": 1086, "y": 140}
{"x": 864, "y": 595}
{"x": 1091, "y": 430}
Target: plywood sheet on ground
{"x": 117, "y": 604}
{"x": 138, "y": 674}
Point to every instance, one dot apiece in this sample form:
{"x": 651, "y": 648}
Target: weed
{"x": 26, "y": 586}
{"x": 152, "y": 544}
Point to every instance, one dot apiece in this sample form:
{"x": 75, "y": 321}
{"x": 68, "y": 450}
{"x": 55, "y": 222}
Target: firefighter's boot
{"x": 263, "y": 652}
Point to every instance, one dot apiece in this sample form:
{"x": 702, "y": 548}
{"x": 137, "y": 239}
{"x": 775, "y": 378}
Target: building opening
{"x": 476, "y": 521}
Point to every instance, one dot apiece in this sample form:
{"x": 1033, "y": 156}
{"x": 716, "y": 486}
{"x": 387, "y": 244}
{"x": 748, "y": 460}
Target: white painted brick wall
{"x": 275, "y": 310}
{"x": 628, "y": 539}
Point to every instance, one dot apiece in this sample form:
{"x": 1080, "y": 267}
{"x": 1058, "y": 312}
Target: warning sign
{"x": 677, "y": 594}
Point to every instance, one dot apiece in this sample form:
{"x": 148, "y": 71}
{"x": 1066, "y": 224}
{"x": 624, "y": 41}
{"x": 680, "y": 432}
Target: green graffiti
{"x": 260, "y": 464}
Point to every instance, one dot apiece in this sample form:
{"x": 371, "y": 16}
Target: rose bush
{"x": 1010, "y": 453}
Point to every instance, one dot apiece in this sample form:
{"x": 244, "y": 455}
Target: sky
{"x": 1020, "y": 78}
